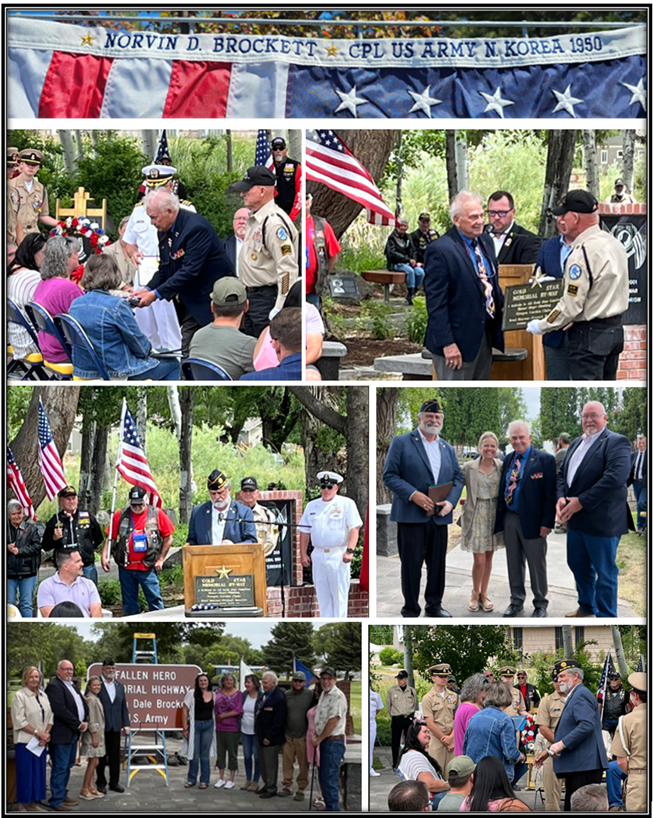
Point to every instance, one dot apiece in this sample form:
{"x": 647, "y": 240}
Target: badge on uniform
{"x": 254, "y": 256}
{"x": 286, "y": 249}
{"x": 257, "y": 236}
{"x": 552, "y": 316}
{"x": 181, "y": 252}
{"x": 572, "y": 290}
{"x": 282, "y": 235}
{"x": 15, "y": 197}
{"x": 574, "y": 272}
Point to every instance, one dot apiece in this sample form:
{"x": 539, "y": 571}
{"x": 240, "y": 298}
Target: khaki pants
{"x": 635, "y": 798}
{"x": 552, "y": 787}
{"x": 295, "y": 748}
{"x": 440, "y": 753}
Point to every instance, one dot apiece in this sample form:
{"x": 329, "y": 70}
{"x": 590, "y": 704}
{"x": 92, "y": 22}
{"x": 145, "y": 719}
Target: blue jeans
{"x": 250, "y": 751}
{"x": 314, "y": 299}
{"x": 614, "y": 775}
{"x": 640, "y": 496}
{"x": 90, "y": 572}
{"x": 331, "y": 755}
{"x": 129, "y": 583}
{"x": 23, "y": 588}
{"x": 63, "y": 758}
{"x": 162, "y": 369}
{"x": 592, "y": 561}
{"x": 203, "y": 738}
{"x": 414, "y": 275}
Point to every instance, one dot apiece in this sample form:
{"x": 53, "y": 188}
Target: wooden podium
{"x": 232, "y": 576}
{"x": 532, "y": 368}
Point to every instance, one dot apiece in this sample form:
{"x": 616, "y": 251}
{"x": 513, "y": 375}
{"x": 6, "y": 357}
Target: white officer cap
{"x": 329, "y": 477}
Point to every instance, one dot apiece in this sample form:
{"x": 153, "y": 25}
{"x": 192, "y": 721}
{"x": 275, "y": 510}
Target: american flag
{"x": 49, "y": 459}
{"x": 608, "y": 668}
{"x": 132, "y": 463}
{"x": 329, "y": 160}
{"x": 15, "y": 480}
{"x": 263, "y": 156}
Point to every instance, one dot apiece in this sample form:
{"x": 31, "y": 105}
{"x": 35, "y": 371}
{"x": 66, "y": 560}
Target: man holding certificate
{"x": 423, "y": 473}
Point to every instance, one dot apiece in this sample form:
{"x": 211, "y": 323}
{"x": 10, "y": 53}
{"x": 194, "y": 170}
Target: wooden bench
{"x": 386, "y": 278}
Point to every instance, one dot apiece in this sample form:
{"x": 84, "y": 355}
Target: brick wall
{"x": 301, "y": 601}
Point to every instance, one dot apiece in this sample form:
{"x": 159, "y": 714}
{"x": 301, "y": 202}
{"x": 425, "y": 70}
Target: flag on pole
{"x": 263, "y": 156}
{"x": 329, "y": 161}
{"x": 49, "y": 459}
{"x": 16, "y": 482}
{"x": 243, "y": 670}
{"x": 132, "y": 463}
{"x": 299, "y": 667}
{"x": 608, "y": 668}
{"x": 641, "y": 666}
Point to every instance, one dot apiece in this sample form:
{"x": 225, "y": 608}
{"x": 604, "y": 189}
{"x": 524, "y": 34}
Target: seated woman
{"x": 415, "y": 763}
{"x": 112, "y": 329}
{"x": 491, "y": 791}
{"x": 23, "y": 279}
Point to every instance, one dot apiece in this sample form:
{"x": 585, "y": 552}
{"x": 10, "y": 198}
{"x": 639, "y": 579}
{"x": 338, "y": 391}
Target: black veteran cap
{"x": 564, "y": 664}
{"x": 136, "y": 495}
{"x": 424, "y": 217}
{"x": 576, "y": 201}
{"x": 68, "y": 491}
{"x": 248, "y": 483}
{"x": 432, "y": 405}
{"x": 401, "y": 675}
{"x": 257, "y": 175}
{"x": 278, "y": 142}
{"x": 216, "y": 480}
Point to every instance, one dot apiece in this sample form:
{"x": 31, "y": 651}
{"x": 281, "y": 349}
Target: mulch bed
{"x": 363, "y": 351}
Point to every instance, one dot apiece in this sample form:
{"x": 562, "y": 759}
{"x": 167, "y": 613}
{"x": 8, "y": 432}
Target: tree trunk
{"x": 358, "y": 424}
{"x": 316, "y": 459}
{"x": 618, "y": 647}
{"x": 68, "y": 146}
{"x": 230, "y": 152}
{"x": 462, "y": 164}
{"x": 386, "y": 424}
{"x": 400, "y": 177}
{"x": 60, "y": 404}
{"x": 86, "y": 461}
{"x": 589, "y": 160}
{"x": 295, "y": 144}
{"x": 185, "y": 453}
{"x": 567, "y": 644}
{"x": 372, "y": 148}
{"x": 629, "y": 159}
{"x": 175, "y": 409}
{"x": 149, "y": 142}
{"x": 452, "y": 168}
{"x": 79, "y": 144}
{"x": 98, "y": 469}
{"x": 141, "y": 415}
{"x": 559, "y": 163}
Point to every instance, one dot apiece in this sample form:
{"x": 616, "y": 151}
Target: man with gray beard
{"x": 416, "y": 461}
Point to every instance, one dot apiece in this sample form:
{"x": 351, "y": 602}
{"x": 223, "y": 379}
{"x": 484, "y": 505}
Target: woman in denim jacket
{"x": 112, "y": 329}
{"x": 491, "y": 732}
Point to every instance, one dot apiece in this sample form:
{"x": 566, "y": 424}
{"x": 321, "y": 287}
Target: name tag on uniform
{"x": 140, "y": 542}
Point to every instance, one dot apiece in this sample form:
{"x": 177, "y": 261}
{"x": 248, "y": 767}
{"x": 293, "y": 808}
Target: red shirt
{"x": 166, "y": 528}
{"x": 332, "y": 249}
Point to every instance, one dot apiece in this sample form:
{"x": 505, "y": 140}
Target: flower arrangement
{"x": 82, "y": 226}
{"x": 528, "y": 733}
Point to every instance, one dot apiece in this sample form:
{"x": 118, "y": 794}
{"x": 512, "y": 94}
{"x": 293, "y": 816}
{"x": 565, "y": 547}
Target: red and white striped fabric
{"x": 17, "y": 484}
{"x": 329, "y": 161}
{"x": 49, "y": 459}
{"x": 132, "y": 463}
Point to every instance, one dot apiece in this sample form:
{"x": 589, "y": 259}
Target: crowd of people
{"x": 515, "y": 501}
{"x": 169, "y": 288}
{"x": 468, "y": 749}
{"x": 305, "y": 726}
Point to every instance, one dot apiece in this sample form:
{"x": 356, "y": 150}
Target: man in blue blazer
{"x": 416, "y": 461}
{"x": 463, "y": 297}
{"x": 116, "y": 723}
{"x": 638, "y": 463}
{"x": 221, "y": 520}
{"x": 578, "y": 751}
{"x": 592, "y": 501}
{"x": 191, "y": 259}
{"x": 526, "y": 513}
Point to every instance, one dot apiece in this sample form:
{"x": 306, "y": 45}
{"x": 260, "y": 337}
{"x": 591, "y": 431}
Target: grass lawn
{"x": 355, "y": 705}
{"x": 631, "y": 559}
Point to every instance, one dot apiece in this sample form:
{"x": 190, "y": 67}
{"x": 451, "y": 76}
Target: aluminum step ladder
{"x": 144, "y": 652}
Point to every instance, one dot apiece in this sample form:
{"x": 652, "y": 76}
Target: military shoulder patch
{"x": 551, "y": 317}
{"x": 574, "y": 272}
{"x": 572, "y": 290}
{"x": 282, "y": 234}
{"x": 286, "y": 249}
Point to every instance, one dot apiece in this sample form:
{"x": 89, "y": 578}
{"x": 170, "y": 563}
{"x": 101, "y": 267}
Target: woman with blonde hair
{"x": 482, "y": 478}
{"x": 93, "y": 738}
{"x": 31, "y": 718}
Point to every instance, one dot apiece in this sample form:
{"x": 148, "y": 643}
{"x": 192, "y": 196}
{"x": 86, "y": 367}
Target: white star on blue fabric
{"x": 565, "y": 101}
{"x": 638, "y": 93}
{"x": 495, "y": 103}
{"x": 424, "y": 101}
{"x": 349, "y": 101}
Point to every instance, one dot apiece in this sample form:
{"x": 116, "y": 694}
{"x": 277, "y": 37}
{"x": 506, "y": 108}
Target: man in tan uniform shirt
{"x": 629, "y": 745}
{"x": 27, "y": 199}
{"x": 596, "y": 292}
{"x": 518, "y": 706}
{"x": 438, "y": 708}
{"x": 548, "y": 716}
{"x": 401, "y": 704}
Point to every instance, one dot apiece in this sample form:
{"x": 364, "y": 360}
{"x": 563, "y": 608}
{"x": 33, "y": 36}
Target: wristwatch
{"x": 350, "y": 550}
{"x": 550, "y": 752}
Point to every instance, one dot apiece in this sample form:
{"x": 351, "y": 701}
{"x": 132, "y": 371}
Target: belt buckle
{"x": 326, "y": 550}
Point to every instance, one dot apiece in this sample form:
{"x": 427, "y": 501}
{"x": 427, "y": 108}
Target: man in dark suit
{"x": 221, "y": 520}
{"x": 233, "y": 244}
{"x": 271, "y": 712}
{"x": 592, "y": 502}
{"x": 578, "y": 752}
{"x": 70, "y": 719}
{"x": 116, "y": 723}
{"x": 513, "y": 244}
{"x": 416, "y": 461}
{"x": 191, "y": 259}
{"x": 638, "y": 462}
{"x": 463, "y": 298}
{"x": 526, "y": 513}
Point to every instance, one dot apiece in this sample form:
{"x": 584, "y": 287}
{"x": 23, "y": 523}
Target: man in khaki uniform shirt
{"x": 267, "y": 264}
{"x": 266, "y": 528}
{"x": 629, "y": 745}
{"x": 27, "y": 199}
{"x": 401, "y": 704}
{"x": 596, "y": 292}
{"x": 548, "y": 716}
{"x": 438, "y": 708}
{"x": 518, "y": 706}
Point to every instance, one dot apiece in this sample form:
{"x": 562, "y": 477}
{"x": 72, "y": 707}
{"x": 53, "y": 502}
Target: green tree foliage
{"x": 116, "y": 639}
{"x": 381, "y": 634}
{"x": 512, "y": 406}
{"x": 289, "y": 640}
{"x": 44, "y": 642}
{"x": 340, "y": 644}
{"x": 559, "y": 412}
{"x": 543, "y": 661}
{"x": 467, "y": 648}
{"x": 387, "y": 656}
{"x": 468, "y": 413}
{"x": 630, "y": 417}
{"x": 18, "y": 399}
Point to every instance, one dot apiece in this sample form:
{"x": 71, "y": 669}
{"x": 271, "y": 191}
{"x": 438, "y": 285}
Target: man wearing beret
{"x": 221, "y": 520}
{"x": 416, "y": 461}
{"x": 27, "y": 199}
{"x": 629, "y": 746}
{"x": 596, "y": 292}
{"x": 578, "y": 752}
{"x": 438, "y": 708}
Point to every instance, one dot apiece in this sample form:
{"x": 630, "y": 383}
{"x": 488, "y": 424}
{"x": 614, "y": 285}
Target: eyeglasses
{"x": 500, "y": 213}
{"x": 591, "y": 417}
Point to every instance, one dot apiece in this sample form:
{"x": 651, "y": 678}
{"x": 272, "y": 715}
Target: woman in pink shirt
{"x": 471, "y": 701}
{"x": 228, "y": 707}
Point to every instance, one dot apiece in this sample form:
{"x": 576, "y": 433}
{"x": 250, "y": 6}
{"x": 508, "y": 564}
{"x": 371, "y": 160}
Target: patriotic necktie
{"x": 485, "y": 280}
{"x": 512, "y": 482}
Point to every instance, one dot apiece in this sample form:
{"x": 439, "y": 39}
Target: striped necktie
{"x": 512, "y": 482}
{"x": 485, "y": 280}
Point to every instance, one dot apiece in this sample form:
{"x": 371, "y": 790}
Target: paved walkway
{"x": 562, "y": 588}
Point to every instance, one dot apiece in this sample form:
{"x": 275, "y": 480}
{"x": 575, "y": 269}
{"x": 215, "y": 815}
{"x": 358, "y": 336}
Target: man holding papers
{"x": 423, "y": 473}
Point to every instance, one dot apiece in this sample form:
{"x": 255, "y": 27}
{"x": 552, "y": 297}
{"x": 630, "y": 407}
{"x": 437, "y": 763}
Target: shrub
{"x": 387, "y": 656}
{"x": 416, "y": 321}
{"x": 110, "y": 593}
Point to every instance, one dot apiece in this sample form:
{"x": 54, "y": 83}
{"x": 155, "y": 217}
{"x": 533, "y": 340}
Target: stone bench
{"x": 329, "y": 363}
{"x": 418, "y": 366}
{"x": 386, "y": 278}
